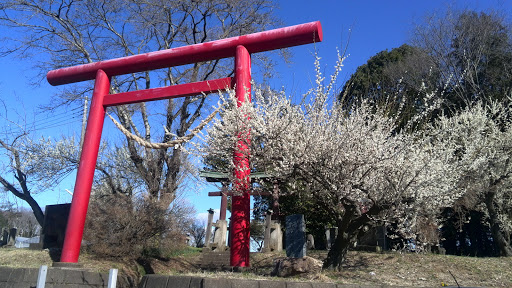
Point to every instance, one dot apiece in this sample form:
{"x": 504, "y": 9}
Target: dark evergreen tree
{"x": 398, "y": 79}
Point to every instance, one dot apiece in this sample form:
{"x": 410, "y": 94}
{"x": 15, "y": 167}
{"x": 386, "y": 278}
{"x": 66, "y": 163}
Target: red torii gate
{"x": 239, "y": 47}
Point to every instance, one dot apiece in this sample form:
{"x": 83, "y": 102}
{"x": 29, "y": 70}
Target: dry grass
{"x": 424, "y": 270}
{"x": 406, "y": 270}
{"x": 413, "y": 270}
{"x": 23, "y": 258}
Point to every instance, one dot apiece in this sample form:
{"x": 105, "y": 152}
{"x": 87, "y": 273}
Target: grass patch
{"x": 184, "y": 252}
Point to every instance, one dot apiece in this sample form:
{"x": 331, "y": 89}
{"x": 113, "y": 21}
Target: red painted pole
{"x": 85, "y": 174}
{"x": 240, "y": 210}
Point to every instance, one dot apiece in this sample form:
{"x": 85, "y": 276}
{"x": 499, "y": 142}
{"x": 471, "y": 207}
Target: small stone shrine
{"x": 375, "y": 240}
{"x": 273, "y": 233}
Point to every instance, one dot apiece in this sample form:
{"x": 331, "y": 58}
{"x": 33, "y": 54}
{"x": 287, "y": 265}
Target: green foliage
{"x": 317, "y": 217}
{"x": 371, "y": 80}
{"x": 457, "y": 60}
{"x": 395, "y": 80}
{"x": 261, "y": 204}
{"x": 467, "y": 232}
{"x": 185, "y": 251}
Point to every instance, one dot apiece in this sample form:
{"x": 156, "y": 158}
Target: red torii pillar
{"x": 240, "y": 47}
{"x": 241, "y": 200}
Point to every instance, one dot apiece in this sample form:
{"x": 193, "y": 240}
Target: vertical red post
{"x": 240, "y": 211}
{"x": 85, "y": 174}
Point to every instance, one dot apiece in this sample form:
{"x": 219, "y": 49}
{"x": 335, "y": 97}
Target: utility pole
{"x": 84, "y": 122}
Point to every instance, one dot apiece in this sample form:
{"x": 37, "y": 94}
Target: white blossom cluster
{"x": 481, "y": 138}
{"x": 46, "y": 162}
{"x": 353, "y": 160}
{"x": 43, "y": 162}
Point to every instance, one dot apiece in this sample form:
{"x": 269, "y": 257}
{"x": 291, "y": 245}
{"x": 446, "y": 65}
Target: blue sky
{"x": 372, "y": 26}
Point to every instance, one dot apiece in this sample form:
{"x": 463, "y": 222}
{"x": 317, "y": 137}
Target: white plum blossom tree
{"x": 480, "y": 137}
{"x": 357, "y": 164}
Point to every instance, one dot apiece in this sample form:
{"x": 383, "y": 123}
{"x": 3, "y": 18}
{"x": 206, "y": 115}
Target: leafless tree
{"x": 26, "y": 223}
{"x": 257, "y": 233}
{"x": 67, "y": 33}
{"x": 198, "y": 233}
{"x": 472, "y": 52}
{"x": 20, "y": 186}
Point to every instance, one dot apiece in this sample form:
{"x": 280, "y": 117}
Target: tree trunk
{"x": 38, "y": 212}
{"x": 25, "y": 196}
{"x": 338, "y": 253}
{"x": 501, "y": 239}
{"x": 350, "y": 228}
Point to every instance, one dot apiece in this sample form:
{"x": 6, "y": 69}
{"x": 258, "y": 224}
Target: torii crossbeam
{"x": 239, "y": 47}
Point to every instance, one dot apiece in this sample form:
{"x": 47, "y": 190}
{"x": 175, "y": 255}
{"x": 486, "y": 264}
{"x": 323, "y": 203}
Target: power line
{"x": 56, "y": 120}
{"x": 57, "y": 124}
{"x": 57, "y": 116}
{"x": 65, "y": 112}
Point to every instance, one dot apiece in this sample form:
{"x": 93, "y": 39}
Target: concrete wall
{"x": 57, "y": 278}
{"x": 65, "y": 278}
{"x": 161, "y": 281}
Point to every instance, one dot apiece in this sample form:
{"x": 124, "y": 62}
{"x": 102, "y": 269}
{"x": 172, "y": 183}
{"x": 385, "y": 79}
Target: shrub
{"x": 121, "y": 227}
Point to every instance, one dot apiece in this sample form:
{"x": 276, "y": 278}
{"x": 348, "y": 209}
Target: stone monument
{"x": 273, "y": 238}
{"x": 54, "y": 225}
{"x": 310, "y": 241}
{"x": 295, "y": 236}
{"x": 219, "y": 235}
{"x": 11, "y": 240}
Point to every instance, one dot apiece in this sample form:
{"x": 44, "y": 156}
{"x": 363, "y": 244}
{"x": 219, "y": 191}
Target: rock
{"x": 294, "y": 266}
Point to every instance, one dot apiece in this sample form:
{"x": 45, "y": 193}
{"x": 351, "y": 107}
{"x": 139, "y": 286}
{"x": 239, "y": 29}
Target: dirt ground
{"x": 391, "y": 268}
